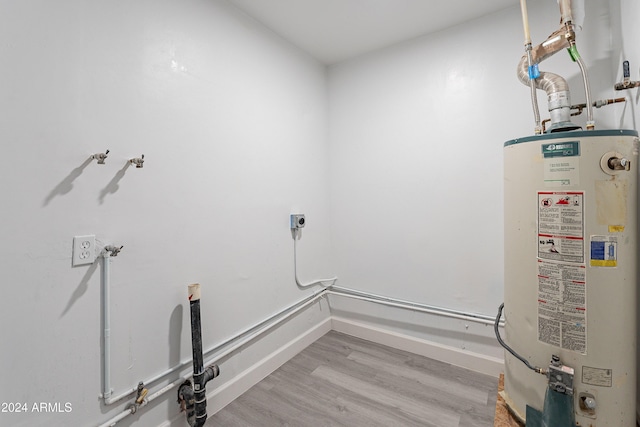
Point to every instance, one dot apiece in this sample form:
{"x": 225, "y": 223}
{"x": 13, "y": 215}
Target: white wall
{"x": 405, "y": 199}
{"x": 231, "y": 121}
{"x": 416, "y": 137}
{"x": 624, "y": 41}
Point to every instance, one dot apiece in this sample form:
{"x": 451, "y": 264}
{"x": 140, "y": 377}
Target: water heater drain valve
{"x": 560, "y": 376}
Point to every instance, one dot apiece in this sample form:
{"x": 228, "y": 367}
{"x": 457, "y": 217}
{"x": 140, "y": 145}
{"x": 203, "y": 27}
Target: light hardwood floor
{"x": 345, "y": 381}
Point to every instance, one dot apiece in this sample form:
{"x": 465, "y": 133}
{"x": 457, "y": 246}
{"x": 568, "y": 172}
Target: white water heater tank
{"x": 571, "y": 270}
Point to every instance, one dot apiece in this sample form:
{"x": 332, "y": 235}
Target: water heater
{"x": 571, "y": 271}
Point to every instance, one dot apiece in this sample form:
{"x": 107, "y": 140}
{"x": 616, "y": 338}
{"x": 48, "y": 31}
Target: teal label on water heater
{"x": 561, "y": 164}
{"x": 562, "y": 149}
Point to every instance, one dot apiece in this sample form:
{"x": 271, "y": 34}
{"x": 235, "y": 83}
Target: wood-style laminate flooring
{"x": 344, "y": 381}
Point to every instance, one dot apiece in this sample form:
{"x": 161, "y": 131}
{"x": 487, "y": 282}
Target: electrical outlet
{"x": 84, "y": 250}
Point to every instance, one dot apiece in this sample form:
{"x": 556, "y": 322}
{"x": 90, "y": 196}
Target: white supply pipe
{"x": 577, "y": 14}
{"x": 393, "y": 302}
{"x": 256, "y": 334}
{"x": 565, "y": 11}
{"x": 290, "y": 311}
{"x": 106, "y": 320}
{"x": 276, "y": 319}
{"x": 113, "y": 421}
{"x": 326, "y": 282}
{"x": 528, "y": 47}
{"x": 133, "y": 408}
{"x": 124, "y": 395}
{"x": 525, "y": 21}
{"x": 572, "y": 12}
{"x": 410, "y": 307}
{"x": 216, "y": 347}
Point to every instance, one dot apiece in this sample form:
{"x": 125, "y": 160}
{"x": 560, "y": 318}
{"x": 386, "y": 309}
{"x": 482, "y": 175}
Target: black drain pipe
{"x": 193, "y": 397}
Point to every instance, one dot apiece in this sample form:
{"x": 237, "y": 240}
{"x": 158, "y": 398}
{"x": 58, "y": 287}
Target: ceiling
{"x": 335, "y": 30}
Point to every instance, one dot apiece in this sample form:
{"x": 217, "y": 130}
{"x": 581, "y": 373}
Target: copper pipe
{"x": 581, "y": 107}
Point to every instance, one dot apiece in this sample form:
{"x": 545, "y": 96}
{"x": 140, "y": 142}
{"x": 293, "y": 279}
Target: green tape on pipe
{"x": 573, "y": 52}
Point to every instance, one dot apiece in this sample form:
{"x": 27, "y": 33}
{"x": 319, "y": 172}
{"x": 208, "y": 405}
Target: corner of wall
{"x": 465, "y": 359}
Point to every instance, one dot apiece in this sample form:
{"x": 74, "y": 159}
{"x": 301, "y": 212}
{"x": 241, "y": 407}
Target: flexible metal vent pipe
{"x": 556, "y": 87}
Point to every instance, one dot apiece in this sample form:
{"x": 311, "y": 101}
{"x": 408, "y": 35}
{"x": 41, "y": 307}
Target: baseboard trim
{"x": 233, "y": 389}
{"x": 241, "y": 383}
{"x": 466, "y": 359}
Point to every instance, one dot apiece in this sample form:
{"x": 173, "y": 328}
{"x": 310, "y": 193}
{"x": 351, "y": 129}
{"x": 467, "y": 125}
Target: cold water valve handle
{"x": 625, "y": 71}
{"x": 142, "y": 393}
{"x": 138, "y": 161}
{"x": 113, "y": 250}
{"x": 100, "y": 157}
{"x": 626, "y": 82}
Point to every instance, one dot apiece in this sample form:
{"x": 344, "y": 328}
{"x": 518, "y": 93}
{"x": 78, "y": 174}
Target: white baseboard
{"x": 227, "y": 393}
{"x": 241, "y": 383}
{"x": 466, "y": 359}
{"x": 233, "y": 389}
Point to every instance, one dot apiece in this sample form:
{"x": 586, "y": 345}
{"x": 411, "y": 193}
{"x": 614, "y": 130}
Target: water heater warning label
{"x": 562, "y": 305}
{"x": 561, "y": 226}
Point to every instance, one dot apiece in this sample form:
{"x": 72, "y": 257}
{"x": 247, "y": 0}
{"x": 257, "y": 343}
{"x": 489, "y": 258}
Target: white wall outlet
{"x": 84, "y": 250}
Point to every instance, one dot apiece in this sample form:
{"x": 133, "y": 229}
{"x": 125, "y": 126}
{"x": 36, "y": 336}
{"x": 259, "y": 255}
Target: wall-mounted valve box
{"x": 297, "y": 221}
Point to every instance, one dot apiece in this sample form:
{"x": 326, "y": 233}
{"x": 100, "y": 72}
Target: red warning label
{"x": 561, "y": 226}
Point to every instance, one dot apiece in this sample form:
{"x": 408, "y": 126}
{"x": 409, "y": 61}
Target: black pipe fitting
{"x": 201, "y": 376}
{"x": 133, "y": 408}
{"x": 198, "y": 368}
{"x": 186, "y": 400}
{"x": 211, "y": 372}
